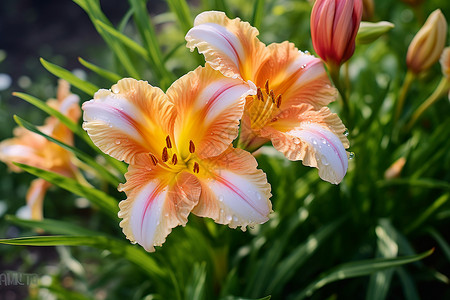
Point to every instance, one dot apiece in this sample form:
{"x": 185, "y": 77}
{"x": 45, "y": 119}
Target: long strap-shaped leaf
{"x": 111, "y": 76}
{"x": 359, "y": 268}
{"x": 181, "y": 10}
{"x": 132, "y": 253}
{"x": 101, "y": 171}
{"x": 105, "y": 202}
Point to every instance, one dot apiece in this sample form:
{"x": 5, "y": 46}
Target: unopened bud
{"x": 395, "y": 169}
{"x": 369, "y": 32}
{"x": 426, "y": 47}
{"x": 445, "y": 62}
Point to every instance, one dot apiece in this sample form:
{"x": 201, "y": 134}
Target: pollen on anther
{"x": 168, "y": 142}
{"x": 165, "y": 155}
{"x": 191, "y": 146}
{"x": 154, "y": 159}
{"x": 174, "y": 159}
{"x": 259, "y": 94}
{"x": 278, "y": 101}
{"x": 266, "y": 86}
{"x": 196, "y": 168}
{"x": 272, "y": 95}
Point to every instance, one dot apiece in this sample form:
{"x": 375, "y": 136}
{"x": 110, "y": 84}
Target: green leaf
{"x": 359, "y": 268}
{"x": 258, "y": 12}
{"x": 429, "y": 183}
{"x": 428, "y": 212}
{"x": 369, "y": 32}
{"x": 117, "y": 247}
{"x": 409, "y": 288}
{"x": 101, "y": 171}
{"x": 181, "y": 10}
{"x": 83, "y": 85}
{"x": 111, "y": 76}
{"x": 105, "y": 202}
{"x": 52, "y": 226}
{"x": 196, "y": 288}
{"x": 445, "y": 247}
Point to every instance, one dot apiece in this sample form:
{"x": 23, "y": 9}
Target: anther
{"x": 154, "y": 159}
{"x": 191, "y": 146}
{"x": 278, "y": 101}
{"x": 196, "y": 168}
{"x": 174, "y": 159}
{"x": 266, "y": 86}
{"x": 168, "y": 142}
{"x": 272, "y": 95}
{"x": 259, "y": 94}
{"x": 165, "y": 155}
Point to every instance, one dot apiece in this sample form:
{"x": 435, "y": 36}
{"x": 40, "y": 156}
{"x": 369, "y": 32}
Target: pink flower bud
{"x": 427, "y": 45}
{"x": 334, "y": 24}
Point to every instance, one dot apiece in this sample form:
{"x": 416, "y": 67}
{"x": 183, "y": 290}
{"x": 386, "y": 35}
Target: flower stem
{"x": 440, "y": 91}
{"x": 402, "y": 96}
{"x": 335, "y": 76}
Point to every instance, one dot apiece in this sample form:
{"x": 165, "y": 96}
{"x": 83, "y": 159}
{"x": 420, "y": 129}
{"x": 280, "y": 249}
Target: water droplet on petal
{"x": 314, "y": 141}
{"x": 235, "y": 219}
{"x": 346, "y": 133}
{"x": 324, "y": 141}
{"x": 325, "y": 161}
{"x": 351, "y": 155}
{"x": 220, "y": 198}
{"x": 229, "y": 218}
{"x": 117, "y": 142}
{"x": 296, "y": 141}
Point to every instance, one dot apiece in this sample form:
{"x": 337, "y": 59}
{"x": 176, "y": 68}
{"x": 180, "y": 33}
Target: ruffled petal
{"x": 209, "y": 107}
{"x": 297, "y": 76}
{"x": 236, "y": 193}
{"x": 230, "y": 46}
{"x": 133, "y": 118}
{"x": 157, "y": 201}
{"x": 315, "y": 137}
{"x": 35, "y": 197}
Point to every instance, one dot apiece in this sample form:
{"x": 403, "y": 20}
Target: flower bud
{"x": 369, "y": 32}
{"x": 426, "y": 47}
{"x": 334, "y": 24}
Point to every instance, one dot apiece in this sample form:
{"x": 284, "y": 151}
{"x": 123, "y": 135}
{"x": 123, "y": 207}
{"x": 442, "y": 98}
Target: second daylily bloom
{"x": 32, "y": 149}
{"x": 179, "y": 149}
{"x": 293, "y": 90}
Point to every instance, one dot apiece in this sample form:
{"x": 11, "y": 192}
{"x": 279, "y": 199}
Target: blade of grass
{"x": 445, "y": 247}
{"x": 53, "y": 226}
{"x": 420, "y": 182}
{"x": 60, "y": 72}
{"x": 258, "y": 11}
{"x": 359, "y": 268}
{"x": 105, "y": 202}
{"x": 427, "y": 213}
{"x": 101, "y": 171}
{"x": 409, "y": 288}
{"x": 181, "y": 9}
{"x": 196, "y": 288}
{"x": 111, "y": 76}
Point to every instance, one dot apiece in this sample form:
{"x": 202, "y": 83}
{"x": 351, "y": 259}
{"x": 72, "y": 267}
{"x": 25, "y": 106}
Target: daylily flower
{"x": 179, "y": 149}
{"x": 32, "y": 149}
{"x": 292, "y": 92}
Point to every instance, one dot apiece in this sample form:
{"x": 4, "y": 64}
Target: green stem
{"x": 403, "y": 92}
{"x": 335, "y": 76}
{"x": 440, "y": 91}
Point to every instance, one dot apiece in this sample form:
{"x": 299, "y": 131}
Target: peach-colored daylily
{"x": 179, "y": 149}
{"x": 32, "y": 149}
{"x": 292, "y": 92}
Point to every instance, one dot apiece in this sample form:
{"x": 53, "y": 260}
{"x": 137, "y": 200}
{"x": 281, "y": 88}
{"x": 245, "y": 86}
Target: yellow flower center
{"x": 264, "y": 105}
{"x": 172, "y": 161}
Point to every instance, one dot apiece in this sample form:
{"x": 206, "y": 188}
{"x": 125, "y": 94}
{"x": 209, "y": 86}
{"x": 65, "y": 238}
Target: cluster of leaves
{"x": 318, "y": 235}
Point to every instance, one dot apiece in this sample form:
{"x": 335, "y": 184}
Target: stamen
{"x": 259, "y": 94}
{"x": 154, "y": 159}
{"x": 266, "y": 86}
{"x": 196, "y": 168}
{"x": 191, "y": 146}
{"x": 168, "y": 142}
{"x": 278, "y": 101}
{"x": 165, "y": 155}
{"x": 272, "y": 95}
{"x": 174, "y": 159}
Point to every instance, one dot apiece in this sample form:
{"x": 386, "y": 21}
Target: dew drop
{"x": 314, "y": 141}
{"x": 296, "y": 141}
{"x": 220, "y": 198}
{"x": 346, "y": 132}
{"x": 117, "y": 142}
{"x": 166, "y": 215}
{"x": 324, "y": 141}
{"x": 351, "y": 155}
{"x": 229, "y": 218}
{"x": 306, "y": 52}
{"x": 221, "y": 211}
{"x": 235, "y": 219}
{"x": 303, "y": 66}
{"x": 325, "y": 161}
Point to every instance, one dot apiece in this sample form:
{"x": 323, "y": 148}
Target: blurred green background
{"x": 316, "y": 227}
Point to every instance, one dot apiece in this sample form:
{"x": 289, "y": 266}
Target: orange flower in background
{"x": 334, "y": 25}
{"x": 427, "y": 45}
{"x": 292, "y": 92}
{"x": 32, "y": 149}
{"x": 179, "y": 149}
